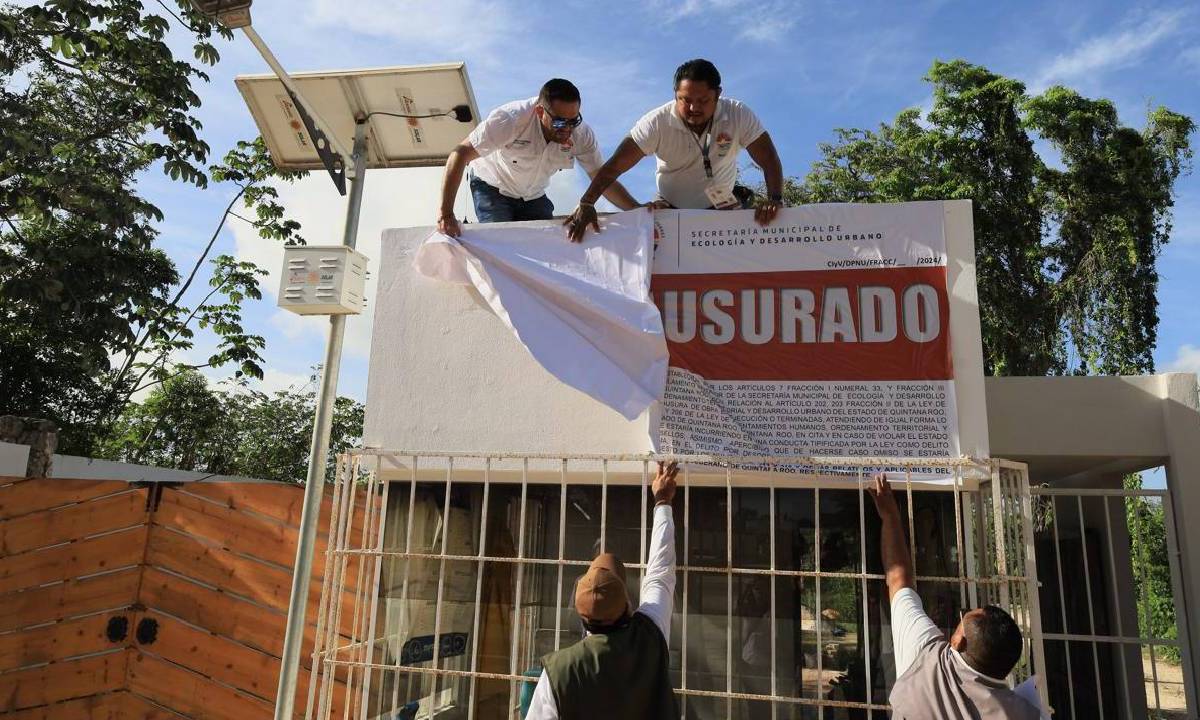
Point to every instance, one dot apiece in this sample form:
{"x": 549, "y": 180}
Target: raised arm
{"x": 627, "y": 155}
{"x": 460, "y": 156}
{"x": 658, "y": 584}
{"x": 897, "y": 562}
{"x": 762, "y": 152}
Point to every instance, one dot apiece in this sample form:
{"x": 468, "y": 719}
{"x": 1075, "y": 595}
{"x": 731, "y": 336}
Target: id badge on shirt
{"x": 721, "y": 198}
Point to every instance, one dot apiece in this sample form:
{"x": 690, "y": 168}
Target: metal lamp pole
{"x": 236, "y": 14}
{"x": 314, "y": 485}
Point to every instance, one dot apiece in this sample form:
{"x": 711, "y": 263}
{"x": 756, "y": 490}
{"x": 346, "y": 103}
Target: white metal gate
{"x": 1114, "y": 622}
{"x": 450, "y": 575}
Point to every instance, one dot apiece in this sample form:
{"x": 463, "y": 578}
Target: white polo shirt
{"x": 681, "y": 179}
{"x": 514, "y": 156}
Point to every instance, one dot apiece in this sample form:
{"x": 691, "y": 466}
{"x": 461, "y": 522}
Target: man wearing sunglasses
{"x": 514, "y": 153}
{"x": 696, "y": 138}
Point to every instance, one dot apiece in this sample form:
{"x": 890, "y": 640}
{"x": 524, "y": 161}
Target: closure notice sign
{"x": 826, "y": 332}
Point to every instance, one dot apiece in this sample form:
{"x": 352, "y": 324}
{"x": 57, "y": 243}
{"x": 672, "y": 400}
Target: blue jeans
{"x": 491, "y": 206}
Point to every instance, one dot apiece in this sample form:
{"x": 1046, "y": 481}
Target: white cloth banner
{"x": 583, "y": 310}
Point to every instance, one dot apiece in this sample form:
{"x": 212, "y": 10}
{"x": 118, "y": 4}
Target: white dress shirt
{"x": 514, "y": 156}
{"x": 658, "y": 597}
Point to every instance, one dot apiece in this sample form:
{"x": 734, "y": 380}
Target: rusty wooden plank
{"x": 62, "y": 681}
{"x": 72, "y": 522}
{"x": 48, "y": 603}
{"x": 59, "y": 641}
{"x": 212, "y": 565}
{"x": 64, "y": 562}
{"x": 189, "y": 693}
{"x": 26, "y": 496}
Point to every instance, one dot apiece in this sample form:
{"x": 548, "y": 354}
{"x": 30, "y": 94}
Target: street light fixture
{"x": 352, "y": 99}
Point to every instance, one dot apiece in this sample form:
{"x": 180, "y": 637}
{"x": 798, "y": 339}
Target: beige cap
{"x": 600, "y": 596}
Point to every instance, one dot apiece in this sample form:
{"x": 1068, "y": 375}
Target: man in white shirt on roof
{"x": 620, "y": 668}
{"x": 696, "y": 139}
{"x": 515, "y": 151}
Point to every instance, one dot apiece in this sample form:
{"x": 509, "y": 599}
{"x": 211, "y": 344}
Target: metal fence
{"x": 1112, "y": 604}
{"x": 455, "y": 576}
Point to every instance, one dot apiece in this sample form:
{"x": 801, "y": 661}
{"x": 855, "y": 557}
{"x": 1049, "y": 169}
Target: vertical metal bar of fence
{"x": 405, "y": 612}
{"x": 345, "y": 517}
{"x": 998, "y": 532}
{"x": 1112, "y": 574}
{"x": 361, "y": 620}
{"x": 866, "y": 618}
{"x": 374, "y": 611}
{"x": 437, "y": 608}
{"x": 516, "y": 629}
{"x": 603, "y": 506}
{"x": 1087, "y": 573}
{"x": 957, "y": 482}
{"x": 646, "y": 487}
{"x": 774, "y": 570}
{"x": 562, "y": 547}
{"x": 327, "y": 588}
{"x": 687, "y": 561}
{"x": 1032, "y": 583}
{"x": 1062, "y": 603}
{"x": 970, "y": 545}
{"x": 820, "y": 653}
{"x": 481, "y": 552}
{"x": 729, "y": 588}
{"x": 1184, "y": 632}
{"x": 1138, "y": 545}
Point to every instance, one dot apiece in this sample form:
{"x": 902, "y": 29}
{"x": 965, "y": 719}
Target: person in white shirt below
{"x": 696, "y": 138}
{"x": 936, "y": 679}
{"x": 515, "y": 151}
{"x": 619, "y": 668}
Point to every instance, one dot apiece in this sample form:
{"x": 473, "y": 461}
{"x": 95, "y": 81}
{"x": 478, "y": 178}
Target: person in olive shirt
{"x": 937, "y": 679}
{"x": 619, "y": 668}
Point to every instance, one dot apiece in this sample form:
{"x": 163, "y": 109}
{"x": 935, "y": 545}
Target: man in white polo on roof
{"x": 515, "y": 151}
{"x": 696, "y": 138}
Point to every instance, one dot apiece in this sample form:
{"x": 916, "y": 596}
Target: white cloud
{"x": 298, "y": 327}
{"x": 1187, "y": 359}
{"x": 275, "y": 380}
{"x": 1191, "y": 58}
{"x": 450, "y": 25}
{"x": 1112, "y": 50}
{"x": 753, "y": 20}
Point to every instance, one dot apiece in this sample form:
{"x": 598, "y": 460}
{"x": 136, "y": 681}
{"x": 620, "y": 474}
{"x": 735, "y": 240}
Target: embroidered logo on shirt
{"x": 724, "y": 142}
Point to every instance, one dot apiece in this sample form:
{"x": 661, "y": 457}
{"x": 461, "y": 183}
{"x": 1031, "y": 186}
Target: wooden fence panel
{"x": 62, "y": 681}
{"x": 64, "y": 562}
{"x": 72, "y": 522}
{"x": 35, "y": 606}
{"x": 22, "y": 496}
{"x": 59, "y": 641}
{"x": 192, "y": 694}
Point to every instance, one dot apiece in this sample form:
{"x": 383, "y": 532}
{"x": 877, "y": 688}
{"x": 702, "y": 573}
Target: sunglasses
{"x": 562, "y": 123}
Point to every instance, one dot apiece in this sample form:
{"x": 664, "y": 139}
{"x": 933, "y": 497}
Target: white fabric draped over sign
{"x": 583, "y": 310}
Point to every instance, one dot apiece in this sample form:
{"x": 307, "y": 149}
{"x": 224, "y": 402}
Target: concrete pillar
{"x": 1122, "y": 607}
{"x": 1181, "y": 423}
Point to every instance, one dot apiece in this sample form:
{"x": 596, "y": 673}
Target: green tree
{"x": 234, "y": 430}
{"x": 91, "y": 310}
{"x": 1065, "y": 255}
{"x": 1148, "y": 551}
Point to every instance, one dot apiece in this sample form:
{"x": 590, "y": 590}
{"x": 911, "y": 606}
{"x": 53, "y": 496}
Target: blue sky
{"x": 804, "y": 67}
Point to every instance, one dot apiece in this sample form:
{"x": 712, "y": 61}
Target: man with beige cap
{"x": 619, "y": 668}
